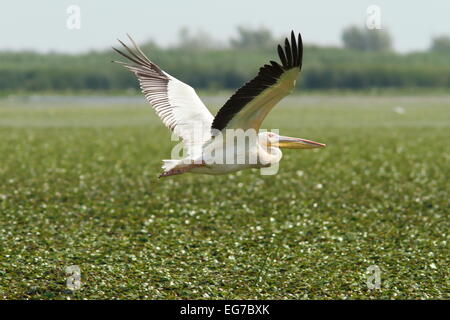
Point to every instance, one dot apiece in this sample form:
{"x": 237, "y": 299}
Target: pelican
{"x": 182, "y": 111}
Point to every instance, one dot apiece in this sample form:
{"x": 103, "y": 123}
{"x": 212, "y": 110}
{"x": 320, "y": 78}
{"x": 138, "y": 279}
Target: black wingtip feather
{"x": 300, "y": 50}
{"x": 287, "y": 49}
{"x": 294, "y": 49}
{"x": 292, "y": 54}
{"x": 137, "y": 56}
{"x": 282, "y": 56}
{"x": 126, "y": 56}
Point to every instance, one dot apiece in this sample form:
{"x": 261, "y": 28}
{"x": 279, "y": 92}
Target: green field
{"x": 78, "y": 187}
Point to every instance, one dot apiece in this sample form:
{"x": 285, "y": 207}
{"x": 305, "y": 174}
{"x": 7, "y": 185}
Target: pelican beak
{"x": 297, "y": 143}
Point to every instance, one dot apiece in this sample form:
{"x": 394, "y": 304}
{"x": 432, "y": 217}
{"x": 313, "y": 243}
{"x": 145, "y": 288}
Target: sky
{"x": 42, "y": 25}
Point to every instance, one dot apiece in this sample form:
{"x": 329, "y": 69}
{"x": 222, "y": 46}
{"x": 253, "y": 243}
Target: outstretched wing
{"x": 176, "y": 103}
{"x": 248, "y": 107}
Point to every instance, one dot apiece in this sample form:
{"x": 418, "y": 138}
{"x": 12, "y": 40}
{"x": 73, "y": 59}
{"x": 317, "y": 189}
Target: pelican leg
{"x": 180, "y": 170}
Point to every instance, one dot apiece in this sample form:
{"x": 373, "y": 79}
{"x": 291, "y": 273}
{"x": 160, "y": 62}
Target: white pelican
{"x": 182, "y": 111}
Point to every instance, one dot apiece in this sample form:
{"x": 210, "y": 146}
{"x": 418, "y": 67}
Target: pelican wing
{"x": 176, "y": 103}
{"x": 248, "y": 107}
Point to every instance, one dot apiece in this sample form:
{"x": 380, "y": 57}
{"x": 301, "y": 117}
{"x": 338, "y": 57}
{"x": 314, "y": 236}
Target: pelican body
{"x": 210, "y": 142}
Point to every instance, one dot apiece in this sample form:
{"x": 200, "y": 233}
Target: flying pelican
{"x": 182, "y": 111}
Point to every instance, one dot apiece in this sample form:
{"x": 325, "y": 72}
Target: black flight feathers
{"x": 143, "y": 65}
{"x": 291, "y": 57}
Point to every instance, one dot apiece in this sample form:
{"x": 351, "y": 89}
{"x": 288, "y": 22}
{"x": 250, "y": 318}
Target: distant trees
{"x": 441, "y": 44}
{"x": 205, "y": 63}
{"x": 363, "y": 39}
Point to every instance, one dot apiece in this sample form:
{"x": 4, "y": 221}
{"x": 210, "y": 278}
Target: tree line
{"x": 366, "y": 61}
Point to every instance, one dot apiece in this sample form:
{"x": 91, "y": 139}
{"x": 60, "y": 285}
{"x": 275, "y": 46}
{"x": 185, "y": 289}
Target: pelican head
{"x": 272, "y": 139}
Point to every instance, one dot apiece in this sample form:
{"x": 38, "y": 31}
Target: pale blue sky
{"x": 41, "y": 25}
